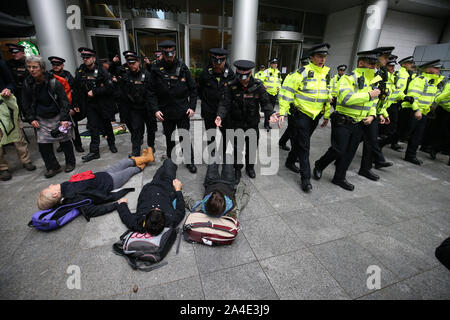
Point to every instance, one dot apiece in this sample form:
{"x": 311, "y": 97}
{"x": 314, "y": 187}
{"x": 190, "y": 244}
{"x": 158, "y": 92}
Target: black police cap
{"x": 56, "y": 60}
{"x": 342, "y": 67}
{"x": 132, "y": 58}
{"x": 262, "y": 66}
{"x": 407, "y": 59}
{"x": 87, "y": 52}
{"x": 320, "y": 48}
{"x": 385, "y": 50}
{"x": 370, "y": 55}
{"x": 128, "y": 52}
{"x": 167, "y": 44}
{"x": 12, "y": 47}
{"x": 434, "y": 63}
{"x": 274, "y": 60}
{"x": 218, "y": 51}
{"x": 244, "y": 65}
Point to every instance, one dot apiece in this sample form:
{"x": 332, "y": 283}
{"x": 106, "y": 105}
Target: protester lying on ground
{"x": 156, "y": 208}
{"x": 222, "y": 196}
{"x": 95, "y": 186}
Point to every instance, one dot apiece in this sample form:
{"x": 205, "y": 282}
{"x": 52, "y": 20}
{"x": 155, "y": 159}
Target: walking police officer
{"x": 174, "y": 96}
{"x": 243, "y": 97}
{"x": 18, "y": 70}
{"x": 135, "y": 97}
{"x": 92, "y": 91}
{"x": 272, "y": 82}
{"x": 305, "y": 97}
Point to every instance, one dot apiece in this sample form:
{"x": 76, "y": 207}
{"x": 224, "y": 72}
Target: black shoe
{"x": 413, "y": 160}
{"x": 344, "y": 184}
{"x": 112, "y": 148}
{"x": 291, "y": 166}
{"x": 59, "y": 149}
{"x": 90, "y": 156}
{"x": 396, "y": 147}
{"x": 317, "y": 173}
{"x": 52, "y": 172}
{"x": 369, "y": 175}
{"x": 284, "y": 147}
{"x": 306, "y": 186}
{"x": 29, "y": 166}
{"x": 237, "y": 175}
{"x": 383, "y": 164}
{"x": 5, "y": 175}
{"x": 192, "y": 168}
{"x": 79, "y": 149}
{"x": 433, "y": 154}
{"x": 69, "y": 167}
{"x": 267, "y": 127}
{"x": 250, "y": 172}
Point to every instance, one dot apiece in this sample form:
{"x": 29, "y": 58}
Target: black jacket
{"x": 240, "y": 106}
{"x": 56, "y": 93}
{"x": 66, "y": 75}
{"x": 173, "y": 90}
{"x": 135, "y": 90}
{"x": 154, "y": 195}
{"x": 6, "y": 80}
{"x": 210, "y": 89}
{"x": 19, "y": 72}
{"x": 97, "y": 80}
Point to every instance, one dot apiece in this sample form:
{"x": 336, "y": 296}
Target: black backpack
{"x": 144, "y": 251}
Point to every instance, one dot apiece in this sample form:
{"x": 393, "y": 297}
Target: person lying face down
{"x": 102, "y": 182}
{"x": 160, "y": 203}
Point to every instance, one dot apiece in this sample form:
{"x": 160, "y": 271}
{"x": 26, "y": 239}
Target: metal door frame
{"x": 290, "y": 37}
{"x": 98, "y": 32}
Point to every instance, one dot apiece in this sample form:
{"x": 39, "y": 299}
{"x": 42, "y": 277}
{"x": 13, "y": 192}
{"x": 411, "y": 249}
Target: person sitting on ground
{"x": 221, "y": 196}
{"x": 160, "y": 203}
{"x": 95, "y": 186}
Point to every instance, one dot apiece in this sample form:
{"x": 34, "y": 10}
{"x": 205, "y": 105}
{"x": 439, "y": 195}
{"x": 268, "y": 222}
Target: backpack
{"x": 65, "y": 85}
{"x": 143, "y": 251}
{"x": 54, "y": 218}
{"x": 210, "y": 231}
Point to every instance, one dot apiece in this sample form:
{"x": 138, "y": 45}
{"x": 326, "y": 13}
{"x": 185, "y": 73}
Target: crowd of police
{"x": 373, "y": 104}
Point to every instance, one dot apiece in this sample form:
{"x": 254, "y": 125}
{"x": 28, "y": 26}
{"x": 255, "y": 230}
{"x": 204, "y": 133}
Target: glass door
{"x": 147, "y": 41}
{"x": 107, "y": 43}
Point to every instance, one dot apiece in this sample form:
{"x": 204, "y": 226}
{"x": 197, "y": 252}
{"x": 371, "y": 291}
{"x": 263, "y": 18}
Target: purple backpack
{"x": 56, "y": 217}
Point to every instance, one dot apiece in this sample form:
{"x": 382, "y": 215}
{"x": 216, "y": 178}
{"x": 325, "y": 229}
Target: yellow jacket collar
{"x": 315, "y": 68}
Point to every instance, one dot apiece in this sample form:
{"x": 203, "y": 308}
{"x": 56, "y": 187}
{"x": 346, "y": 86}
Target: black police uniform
{"x": 239, "y": 109}
{"x": 98, "y": 108}
{"x": 135, "y": 97}
{"x": 173, "y": 92}
{"x": 19, "y": 72}
{"x": 210, "y": 89}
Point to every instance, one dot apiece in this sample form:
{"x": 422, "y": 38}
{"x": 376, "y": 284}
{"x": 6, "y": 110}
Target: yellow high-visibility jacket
{"x": 309, "y": 90}
{"x": 272, "y": 81}
{"x": 424, "y": 90}
{"x": 443, "y": 99}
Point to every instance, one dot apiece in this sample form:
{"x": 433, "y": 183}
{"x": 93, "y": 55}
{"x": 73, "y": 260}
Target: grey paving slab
{"x": 299, "y": 275}
{"x": 270, "y": 236}
{"x": 398, "y": 291}
{"x": 246, "y": 282}
{"x": 185, "y": 289}
{"x": 432, "y": 284}
{"x": 348, "y": 263}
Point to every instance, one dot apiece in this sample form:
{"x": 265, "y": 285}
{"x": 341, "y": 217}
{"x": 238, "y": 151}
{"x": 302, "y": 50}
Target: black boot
{"x": 368, "y": 174}
{"x": 90, "y": 156}
{"x": 306, "y": 185}
{"x": 192, "y": 168}
{"x": 112, "y": 148}
{"x": 344, "y": 184}
{"x": 291, "y": 166}
{"x": 317, "y": 173}
{"x": 250, "y": 169}
{"x": 414, "y": 160}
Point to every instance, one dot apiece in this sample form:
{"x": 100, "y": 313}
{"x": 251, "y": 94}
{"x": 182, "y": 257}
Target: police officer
{"x": 356, "y": 107}
{"x": 92, "y": 91}
{"x": 442, "y": 139}
{"x": 211, "y": 84}
{"x": 135, "y": 94}
{"x": 305, "y": 96}
{"x": 261, "y": 74}
{"x": 272, "y": 82}
{"x": 18, "y": 70}
{"x": 243, "y": 97}
{"x": 371, "y": 149}
{"x": 174, "y": 96}
{"x": 334, "y": 83}
{"x": 420, "y": 96}
{"x": 58, "y": 69}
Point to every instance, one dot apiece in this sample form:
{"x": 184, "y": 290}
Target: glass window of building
{"x": 174, "y": 10}
{"x": 203, "y": 12}
{"x": 279, "y": 19}
{"x": 101, "y": 8}
{"x": 228, "y": 14}
{"x": 105, "y": 24}
{"x": 200, "y": 41}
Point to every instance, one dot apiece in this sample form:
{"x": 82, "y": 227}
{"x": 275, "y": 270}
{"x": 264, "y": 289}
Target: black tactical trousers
{"x": 98, "y": 123}
{"x": 250, "y": 155}
{"x": 273, "y": 102}
{"x": 415, "y": 135}
{"x": 169, "y": 126}
{"x": 371, "y": 149}
{"x": 390, "y": 130}
{"x": 302, "y": 127}
{"x": 345, "y": 139}
{"x": 139, "y": 119}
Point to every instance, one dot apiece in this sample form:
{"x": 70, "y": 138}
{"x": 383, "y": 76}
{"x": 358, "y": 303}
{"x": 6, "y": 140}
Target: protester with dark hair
{"x": 156, "y": 208}
{"x": 46, "y": 108}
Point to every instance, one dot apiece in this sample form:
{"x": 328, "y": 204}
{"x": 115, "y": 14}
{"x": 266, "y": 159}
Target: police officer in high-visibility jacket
{"x": 442, "y": 140}
{"x": 356, "y": 107}
{"x": 261, "y": 74}
{"x": 334, "y": 83}
{"x": 305, "y": 97}
{"x": 272, "y": 82}
{"x": 420, "y": 96}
